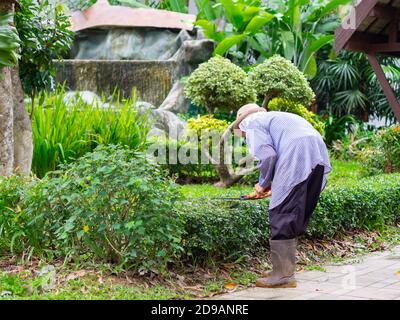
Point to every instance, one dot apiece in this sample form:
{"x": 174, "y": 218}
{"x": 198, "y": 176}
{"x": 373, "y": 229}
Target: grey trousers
{"x": 290, "y": 219}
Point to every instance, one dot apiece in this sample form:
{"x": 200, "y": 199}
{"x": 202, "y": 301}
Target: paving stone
{"x": 373, "y": 278}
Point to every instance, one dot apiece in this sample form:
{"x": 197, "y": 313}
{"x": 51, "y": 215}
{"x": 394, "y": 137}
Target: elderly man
{"x": 293, "y": 163}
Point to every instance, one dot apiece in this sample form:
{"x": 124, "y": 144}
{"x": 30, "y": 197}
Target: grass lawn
{"x": 342, "y": 172}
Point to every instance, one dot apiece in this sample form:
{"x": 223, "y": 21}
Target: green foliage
{"x": 9, "y": 41}
{"x": 218, "y": 83}
{"x": 253, "y": 30}
{"x": 64, "y": 131}
{"x": 337, "y": 128}
{"x": 287, "y": 106}
{"x": 19, "y": 232}
{"x": 191, "y": 172}
{"x": 206, "y": 123}
{"x": 226, "y": 230}
{"x": 347, "y": 84}
{"x": 45, "y": 36}
{"x": 245, "y": 19}
{"x": 220, "y": 229}
{"x": 111, "y": 204}
{"x": 277, "y": 77}
{"x": 384, "y": 154}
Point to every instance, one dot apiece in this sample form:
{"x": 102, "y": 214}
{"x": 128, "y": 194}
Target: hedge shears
{"x": 250, "y": 197}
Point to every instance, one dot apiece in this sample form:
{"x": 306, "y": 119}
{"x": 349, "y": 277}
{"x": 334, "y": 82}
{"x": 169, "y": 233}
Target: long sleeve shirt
{"x": 287, "y": 148}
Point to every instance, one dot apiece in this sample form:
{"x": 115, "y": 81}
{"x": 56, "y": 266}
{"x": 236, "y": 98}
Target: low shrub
{"x": 229, "y": 230}
{"x": 300, "y": 110}
{"x": 206, "y": 123}
{"x": 384, "y": 154}
{"x": 111, "y": 204}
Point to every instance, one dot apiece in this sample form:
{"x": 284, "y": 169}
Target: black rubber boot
{"x": 283, "y": 257}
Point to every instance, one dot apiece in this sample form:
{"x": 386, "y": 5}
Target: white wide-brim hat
{"x": 244, "y": 112}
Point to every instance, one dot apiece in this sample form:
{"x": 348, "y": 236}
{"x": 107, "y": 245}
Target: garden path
{"x": 377, "y": 276}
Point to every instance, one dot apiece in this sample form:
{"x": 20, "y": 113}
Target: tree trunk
{"x": 16, "y": 147}
{"x": 6, "y": 123}
{"x": 23, "y": 146}
{"x": 226, "y": 172}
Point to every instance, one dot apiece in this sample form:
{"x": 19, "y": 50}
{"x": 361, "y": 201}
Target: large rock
{"x": 176, "y": 101}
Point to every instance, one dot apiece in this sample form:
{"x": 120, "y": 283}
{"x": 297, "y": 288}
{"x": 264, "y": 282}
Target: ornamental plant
{"x": 219, "y": 84}
{"x": 288, "y": 106}
{"x": 277, "y": 77}
{"x": 112, "y": 205}
{"x": 206, "y": 123}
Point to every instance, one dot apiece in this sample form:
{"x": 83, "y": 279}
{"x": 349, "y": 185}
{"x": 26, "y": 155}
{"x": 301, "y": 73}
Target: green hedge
{"x": 35, "y": 216}
{"x": 229, "y": 230}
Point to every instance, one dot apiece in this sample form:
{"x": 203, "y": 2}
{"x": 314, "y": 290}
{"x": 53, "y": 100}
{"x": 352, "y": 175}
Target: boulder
{"x": 176, "y": 101}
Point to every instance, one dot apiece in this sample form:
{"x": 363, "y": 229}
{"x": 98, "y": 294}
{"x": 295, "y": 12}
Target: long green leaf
{"x": 228, "y": 43}
{"x": 258, "y": 23}
{"x": 329, "y": 7}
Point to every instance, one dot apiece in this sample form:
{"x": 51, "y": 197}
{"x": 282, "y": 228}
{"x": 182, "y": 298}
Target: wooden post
{"x": 387, "y": 89}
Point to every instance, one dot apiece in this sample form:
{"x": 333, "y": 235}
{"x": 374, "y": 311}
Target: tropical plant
{"x": 295, "y": 29}
{"x": 337, "y": 128}
{"x": 9, "y": 41}
{"x": 45, "y": 36}
{"x": 65, "y": 131}
{"x": 301, "y": 29}
{"x": 347, "y": 84}
{"x": 277, "y": 77}
{"x": 219, "y": 84}
{"x": 240, "y": 22}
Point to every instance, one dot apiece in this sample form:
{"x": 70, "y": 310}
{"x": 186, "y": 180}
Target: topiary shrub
{"x": 279, "y": 104}
{"x": 111, "y": 204}
{"x": 277, "y": 77}
{"x": 219, "y": 84}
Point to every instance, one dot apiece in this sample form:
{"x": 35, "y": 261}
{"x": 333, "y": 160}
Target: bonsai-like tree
{"x": 277, "y": 77}
{"x": 219, "y": 84}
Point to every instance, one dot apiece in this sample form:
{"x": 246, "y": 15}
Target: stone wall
{"x": 153, "y": 80}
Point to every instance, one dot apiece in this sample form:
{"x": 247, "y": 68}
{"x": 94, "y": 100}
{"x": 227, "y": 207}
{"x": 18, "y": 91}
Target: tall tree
{"x": 6, "y": 109}
{"x": 16, "y": 146}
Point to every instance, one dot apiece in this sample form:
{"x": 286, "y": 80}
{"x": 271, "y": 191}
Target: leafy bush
{"x": 338, "y": 128}
{"x": 205, "y": 123}
{"x": 229, "y": 230}
{"x": 111, "y": 204}
{"x": 45, "y": 34}
{"x": 64, "y": 131}
{"x": 384, "y": 154}
{"x": 218, "y": 83}
{"x": 183, "y": 173}
{"x": 287, "y": 106}
{"x": 277, "y": 77}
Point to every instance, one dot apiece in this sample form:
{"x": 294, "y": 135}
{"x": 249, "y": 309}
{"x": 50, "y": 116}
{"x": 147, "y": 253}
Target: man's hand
{"x": 260, "y": 190}
{"x": 259, "y": 193}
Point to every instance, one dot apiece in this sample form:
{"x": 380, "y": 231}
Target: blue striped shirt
{"x": 287, "y": 148}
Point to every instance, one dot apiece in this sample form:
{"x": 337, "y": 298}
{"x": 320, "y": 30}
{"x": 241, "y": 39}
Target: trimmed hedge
{"x": 229, "y": 230}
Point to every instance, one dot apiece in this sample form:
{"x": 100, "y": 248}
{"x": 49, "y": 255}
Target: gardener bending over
{"x": 293, "y": 163}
